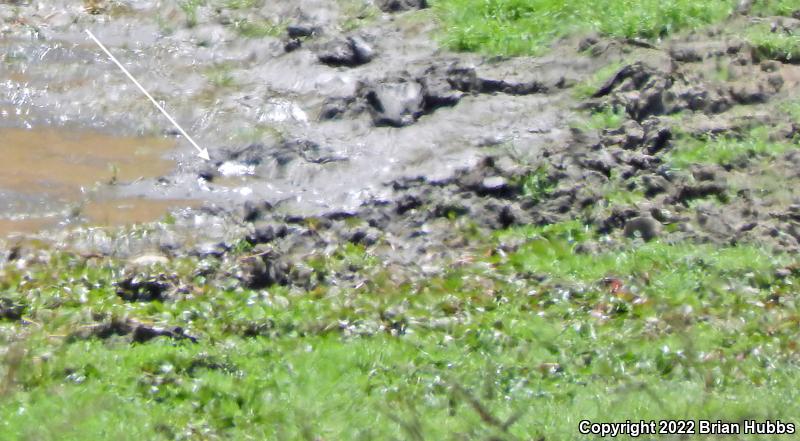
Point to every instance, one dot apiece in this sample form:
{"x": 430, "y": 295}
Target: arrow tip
{"x": 204, "y": 154}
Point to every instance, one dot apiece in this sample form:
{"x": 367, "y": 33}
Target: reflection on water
{"x": 61, "y": 166}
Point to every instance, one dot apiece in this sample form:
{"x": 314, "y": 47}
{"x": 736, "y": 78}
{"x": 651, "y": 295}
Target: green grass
{"x": 258, "y": 28}
{"x": 537, "y": 185}
{"x": 220, "y": 76}
{"x": 356, "y": 14}
{"x": 190, "y": 8}
{"x": 614, "y": 195}
{"x": 517, "y": 27}
{"x": 792, "y": 108}
{"x": 541, "y": 338}
{"x": 775, "y": 7}
{"x": 777, "y": 45}
{"x": 605, "y": 118}
{"x": 242, "y": 4}
{"x": 587, "y": 88}
{"x": 725, "y": 151}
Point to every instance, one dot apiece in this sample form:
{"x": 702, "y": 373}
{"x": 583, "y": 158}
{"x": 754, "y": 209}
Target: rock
{"x": 349, "y": 52}
{"x": 401, "y": 5}
{"x": 363, "y": 51}
{"x": 394, "y": 103}
{"x": 644, "y": 226}
{"x": 495, "y": 185}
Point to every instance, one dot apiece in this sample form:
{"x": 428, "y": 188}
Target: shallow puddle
{"x": 61, "y": 163}
{"x": 9, "y": 227}
{"x": 61, "y": 166}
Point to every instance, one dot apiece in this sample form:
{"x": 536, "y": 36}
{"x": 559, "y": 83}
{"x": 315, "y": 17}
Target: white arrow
{"x": 203, "y": 153}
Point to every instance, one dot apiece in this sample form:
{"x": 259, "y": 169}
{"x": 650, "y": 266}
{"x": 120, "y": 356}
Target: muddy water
{"x": 51, "y": 176}
{"x": 65, "y": 163}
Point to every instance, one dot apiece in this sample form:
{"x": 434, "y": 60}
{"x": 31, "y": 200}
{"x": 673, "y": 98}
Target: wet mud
{"x": 354, "y": 119}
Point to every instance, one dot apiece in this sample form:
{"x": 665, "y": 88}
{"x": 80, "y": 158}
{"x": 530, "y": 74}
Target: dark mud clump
{"x": 129, "y": 329}
{"x": 350, "y": 52}
{"x": 10, "y": 310}
{"x": 401, "y": 5}
{"x": 144, "y": 288}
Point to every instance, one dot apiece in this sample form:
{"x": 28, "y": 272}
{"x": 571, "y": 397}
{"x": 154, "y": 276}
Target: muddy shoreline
{"x": 337, "y": 127}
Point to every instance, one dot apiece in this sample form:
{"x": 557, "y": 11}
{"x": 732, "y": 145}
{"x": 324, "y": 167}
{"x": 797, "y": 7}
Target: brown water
{"x": 10, "y": 227}
{"x": 62, "y": 162}
{"x": 63, "y": 167}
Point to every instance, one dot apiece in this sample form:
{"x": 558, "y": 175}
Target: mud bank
{"x": 332, "y": 124}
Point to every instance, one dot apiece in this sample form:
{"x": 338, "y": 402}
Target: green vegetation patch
{"x": 537, "y": 185}
{"x": 775, "y": 7}
{"x": 518, "y": 344}
{"x": 221, "y": 75}
{"x": 516, "y": 27}
{"x": 258, "y": 28}
{"x": 606, "y": 118}
{"x": 590, "y": 86}
{"x": 781, "y": 44}
{"x": 726, "y": 151}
